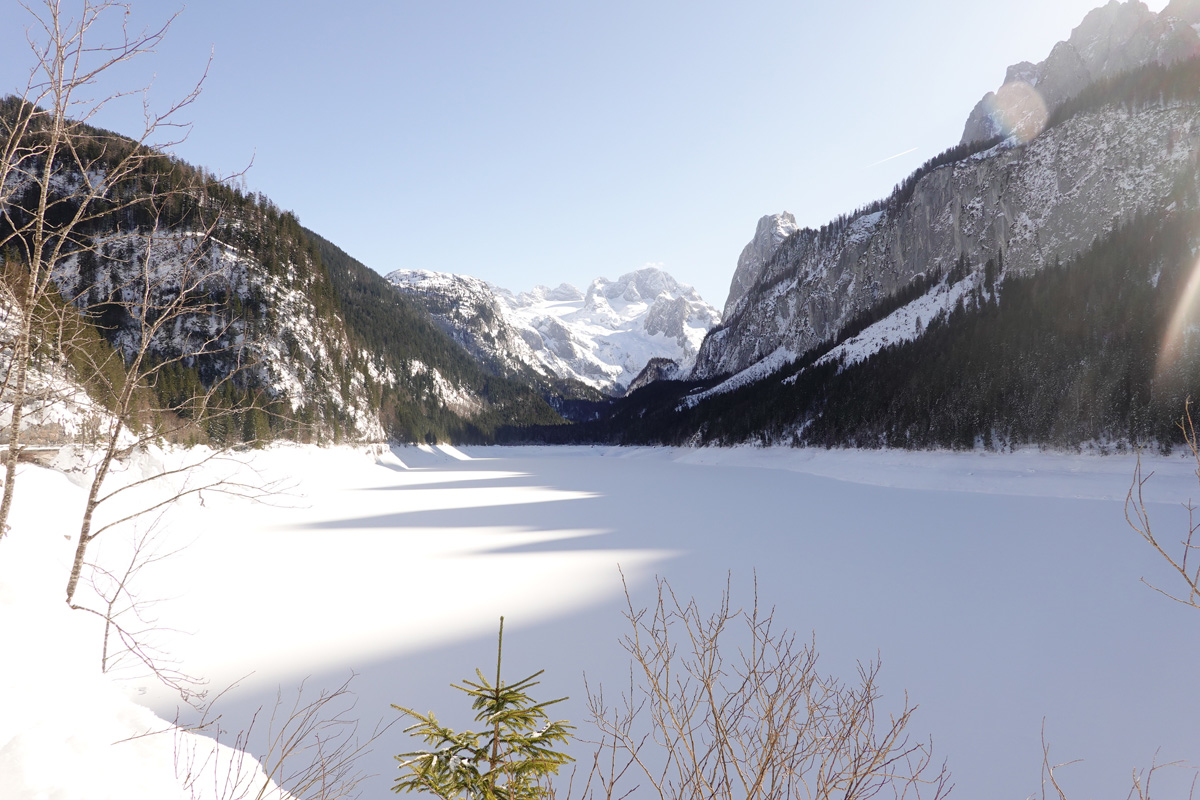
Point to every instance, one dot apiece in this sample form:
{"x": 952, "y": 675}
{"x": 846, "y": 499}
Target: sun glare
{"x": 1019, "y": 110}
{"x": 1183, "y": 320}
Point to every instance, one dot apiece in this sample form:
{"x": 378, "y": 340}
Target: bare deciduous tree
{"x": 131, "y": 625}
{"x": 730, "y": 705}
{"x": 111, "y": 272}
{"x": 59, "y": 175}
{"x": 105, "y": 232}
{"x": 173, "y": 305}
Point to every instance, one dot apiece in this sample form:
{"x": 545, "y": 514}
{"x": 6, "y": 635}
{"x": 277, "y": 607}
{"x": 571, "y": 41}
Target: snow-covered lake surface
{"x": 1001, "y": 592}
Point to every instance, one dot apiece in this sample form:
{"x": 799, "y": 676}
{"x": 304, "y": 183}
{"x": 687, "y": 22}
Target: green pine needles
{"x": 511, "y": 759}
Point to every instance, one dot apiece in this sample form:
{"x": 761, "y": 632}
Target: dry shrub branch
{"x": 731, "y": 704}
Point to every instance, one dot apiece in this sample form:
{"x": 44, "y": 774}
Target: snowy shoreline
{"x": 1027, "y": 472}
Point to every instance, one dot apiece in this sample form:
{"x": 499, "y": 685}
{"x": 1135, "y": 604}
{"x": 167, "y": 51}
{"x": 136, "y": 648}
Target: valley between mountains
{"x": 931, "y": 465}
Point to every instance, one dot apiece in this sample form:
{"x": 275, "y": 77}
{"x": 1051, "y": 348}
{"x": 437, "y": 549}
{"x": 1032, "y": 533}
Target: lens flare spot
{"x": 1183, "y": 325}
{"x": 1018, "y": 110}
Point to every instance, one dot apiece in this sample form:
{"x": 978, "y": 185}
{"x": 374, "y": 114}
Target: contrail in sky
{"x": 889, "y": 158}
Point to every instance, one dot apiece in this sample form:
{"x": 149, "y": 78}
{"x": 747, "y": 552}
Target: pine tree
{"x": 508, "y": 760}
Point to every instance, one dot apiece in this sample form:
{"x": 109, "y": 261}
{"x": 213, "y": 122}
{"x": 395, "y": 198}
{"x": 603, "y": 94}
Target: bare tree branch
{"x": 1184, "y": 561}
{"x": 1141, "y": 781}
{"x": 728, "y": 705}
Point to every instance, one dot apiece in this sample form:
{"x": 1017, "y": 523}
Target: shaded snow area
{"x": 774, "y": 362}
{"x": 1001, "y": 592}
{"x": 904, "y": 324}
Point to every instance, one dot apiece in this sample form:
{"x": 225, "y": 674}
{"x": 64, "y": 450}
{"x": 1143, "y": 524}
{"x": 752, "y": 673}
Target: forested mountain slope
{"x": 446, "y": 393}
{"x": 218, "y": 294}
{"x": 1037, "y": 203}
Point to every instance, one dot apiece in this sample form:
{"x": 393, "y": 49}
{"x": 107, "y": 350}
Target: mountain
{"x": 1024, "y": 288}
{"x": 1115, "y": 149}
{"x": 772, "y": 230}
{"x": 470, "y": 311}
{"x": 828, "y": 336}
{"x": 602, "y": 338}
{"x": 275, "y": 321}
{"x": 426, "y": 386}
{"x": 219, "y": 293}
{"x": 1034, "y": 203}
{"x": 1111, "y": 40}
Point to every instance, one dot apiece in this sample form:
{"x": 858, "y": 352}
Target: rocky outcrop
{"x": 259, "y": 324}
{"x": 770, "y": 233}
{"x": 657, "y": 369}
{"x": 1112, "y": 39}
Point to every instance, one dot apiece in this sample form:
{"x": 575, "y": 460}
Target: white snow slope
{"x": 68, "y": 731}
{"x": 1001, "y": 592}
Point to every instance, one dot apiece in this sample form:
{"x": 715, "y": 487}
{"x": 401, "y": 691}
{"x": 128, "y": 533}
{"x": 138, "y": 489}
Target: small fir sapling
{"x": 510, "y": 759}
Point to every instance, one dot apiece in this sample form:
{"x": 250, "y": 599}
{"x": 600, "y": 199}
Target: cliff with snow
{"x": 1038, "y": 197}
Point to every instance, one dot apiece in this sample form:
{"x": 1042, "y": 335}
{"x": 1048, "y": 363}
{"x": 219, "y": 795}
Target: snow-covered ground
{"x": 1000, "y": 592}
{"x": 906, "y": 323}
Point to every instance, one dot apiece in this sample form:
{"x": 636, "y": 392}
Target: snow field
{"x": 998, "y": 591}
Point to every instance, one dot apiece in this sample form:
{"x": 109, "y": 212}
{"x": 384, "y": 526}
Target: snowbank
{"x": 66, "y": 729}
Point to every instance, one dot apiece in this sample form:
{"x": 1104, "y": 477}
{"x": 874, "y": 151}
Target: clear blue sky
{"x": 530, "y": 142}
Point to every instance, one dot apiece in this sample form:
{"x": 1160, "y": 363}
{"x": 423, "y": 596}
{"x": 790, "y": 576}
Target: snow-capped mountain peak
{"x": 603, "y": 337}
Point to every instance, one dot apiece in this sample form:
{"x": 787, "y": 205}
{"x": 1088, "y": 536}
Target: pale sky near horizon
{"x": 536, "y": 142}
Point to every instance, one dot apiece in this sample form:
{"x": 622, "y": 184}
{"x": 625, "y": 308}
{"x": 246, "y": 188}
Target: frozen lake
{"x": 999, "y": 591}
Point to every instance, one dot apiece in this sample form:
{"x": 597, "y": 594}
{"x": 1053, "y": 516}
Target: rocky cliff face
{"x": 603, "y": 337}
{"x": 770, "y": 233}
{"x": 1112, "y": 39}
{"x": 1031, "y": 203}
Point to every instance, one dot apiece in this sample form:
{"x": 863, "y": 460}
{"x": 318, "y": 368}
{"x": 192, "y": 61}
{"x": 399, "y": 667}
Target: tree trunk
{"x": 20, "y": 356}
